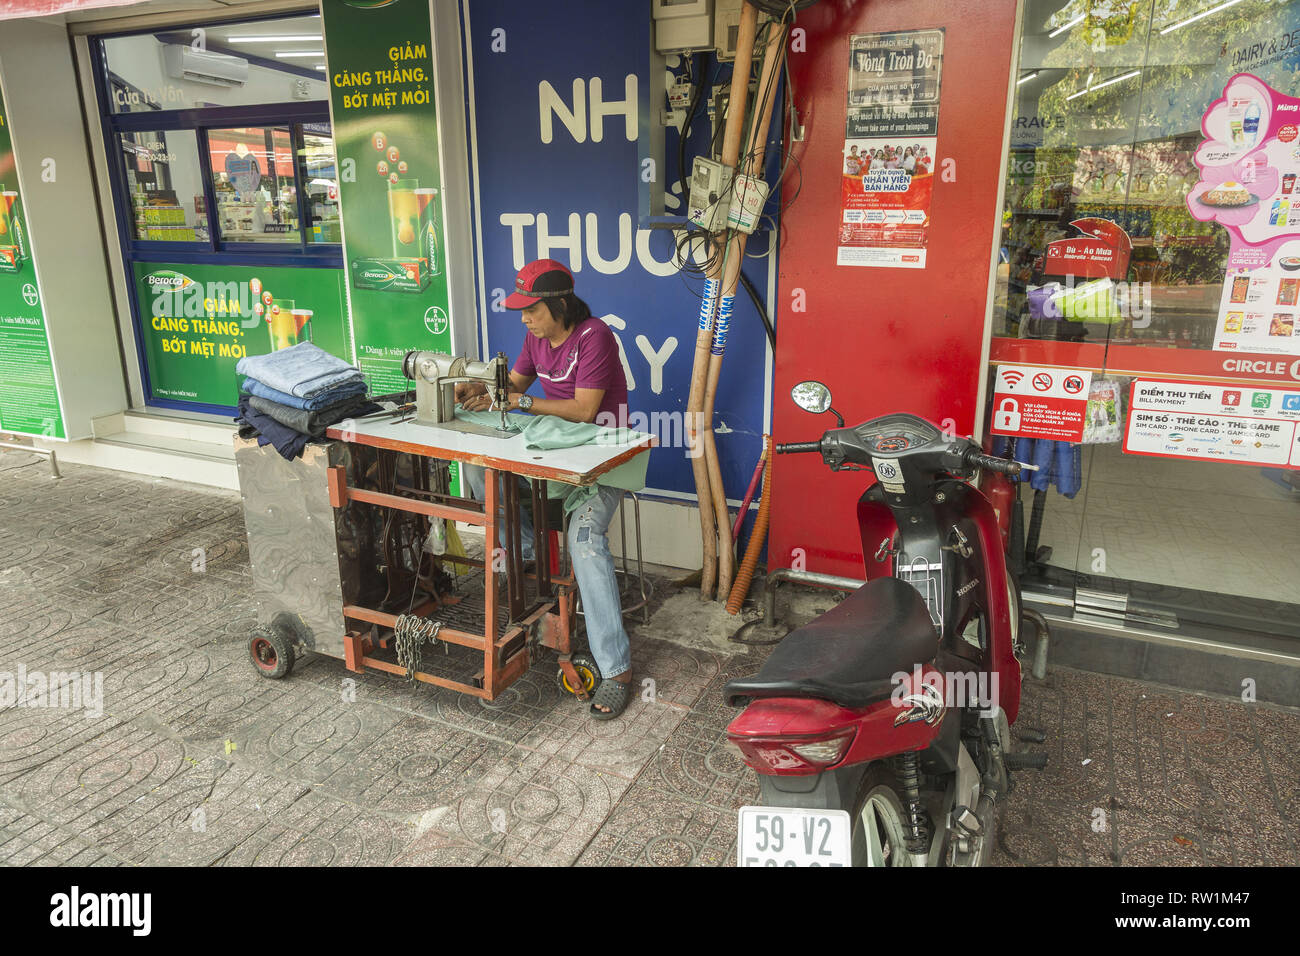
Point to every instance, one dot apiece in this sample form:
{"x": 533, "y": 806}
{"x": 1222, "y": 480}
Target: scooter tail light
{"x": 795, "y": 755}
{"x": 823, "y": 751}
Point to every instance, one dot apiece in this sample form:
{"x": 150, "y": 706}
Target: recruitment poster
{"x": 380, "y": 68}
{"x": 198, "y": 321}
{"x": 29, "y": 394}
{"x": 1249, "y": 163}
{"x": 890, "y": 148}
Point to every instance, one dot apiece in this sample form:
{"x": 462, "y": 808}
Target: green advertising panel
{"x": 197, "y": 322}
{"x": 386, "y": 136}
{"x": 29, "y": 395}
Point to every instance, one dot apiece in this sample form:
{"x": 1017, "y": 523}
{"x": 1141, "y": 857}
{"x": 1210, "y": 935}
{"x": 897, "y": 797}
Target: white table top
{"x": 581, "y": 465}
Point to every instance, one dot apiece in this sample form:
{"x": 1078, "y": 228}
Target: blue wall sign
{"x": 560, "y": 141}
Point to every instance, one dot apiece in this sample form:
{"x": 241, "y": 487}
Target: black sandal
{"x": 613, "y": 694}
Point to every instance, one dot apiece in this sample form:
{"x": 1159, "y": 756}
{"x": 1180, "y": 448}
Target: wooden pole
{"x": 733, "y": 259}
{"x": 699, "y": 426}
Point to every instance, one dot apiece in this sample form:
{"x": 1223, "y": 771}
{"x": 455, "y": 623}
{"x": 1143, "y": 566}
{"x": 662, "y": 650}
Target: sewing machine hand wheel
{"x": 587, "y": 670}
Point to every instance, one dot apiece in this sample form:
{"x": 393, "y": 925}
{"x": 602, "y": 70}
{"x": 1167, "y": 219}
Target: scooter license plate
{"x": 783, "y": 836}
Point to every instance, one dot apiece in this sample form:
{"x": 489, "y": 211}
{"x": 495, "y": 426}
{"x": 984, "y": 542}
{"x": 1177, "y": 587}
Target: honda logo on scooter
{"x": 926, "y": 706}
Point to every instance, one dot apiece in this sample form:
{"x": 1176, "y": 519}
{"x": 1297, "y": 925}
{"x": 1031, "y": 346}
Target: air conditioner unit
{"x": 200, "y": 66}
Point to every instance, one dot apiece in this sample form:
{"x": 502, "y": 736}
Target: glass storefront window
{"x": 1107, "y": 124}
{"x": 222, "y": 170}
{"x": 241, "y": 64}
{"x": 319, "y": 176}
{"x": 164, "y": 185}
{"x": 253, "y": 180}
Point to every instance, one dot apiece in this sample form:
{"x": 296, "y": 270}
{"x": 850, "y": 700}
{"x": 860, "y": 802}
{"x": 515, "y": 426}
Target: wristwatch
{"x": 525, "y": 402}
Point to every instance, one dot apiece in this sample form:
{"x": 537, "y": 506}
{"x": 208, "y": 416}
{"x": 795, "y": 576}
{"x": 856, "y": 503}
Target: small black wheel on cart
{"x": 587, "y": 670}
{"x": 271, "y": 652}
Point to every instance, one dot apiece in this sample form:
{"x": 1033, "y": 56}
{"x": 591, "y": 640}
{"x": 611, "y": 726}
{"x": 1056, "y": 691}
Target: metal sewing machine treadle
{"x": 436, "y": 375}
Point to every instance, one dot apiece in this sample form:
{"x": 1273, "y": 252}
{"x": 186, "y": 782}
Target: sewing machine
{"x": 436, "y": 376}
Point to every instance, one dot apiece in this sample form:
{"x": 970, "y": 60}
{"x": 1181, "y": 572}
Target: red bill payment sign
{"x": 1251, "y": 426}
{"x": 1033, "y": 402}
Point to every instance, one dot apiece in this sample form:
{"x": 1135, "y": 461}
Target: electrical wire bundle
{"x": 698, "y": 249}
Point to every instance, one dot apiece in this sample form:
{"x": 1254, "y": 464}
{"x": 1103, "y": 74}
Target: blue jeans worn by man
{"x": 578, "y": 362}
{"x": 593, "y": 566}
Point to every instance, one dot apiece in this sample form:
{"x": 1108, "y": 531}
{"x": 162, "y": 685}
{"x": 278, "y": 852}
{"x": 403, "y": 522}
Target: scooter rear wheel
{"x": 879, "y": 821}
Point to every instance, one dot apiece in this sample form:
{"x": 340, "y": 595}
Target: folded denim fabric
{"x": 313, "y": 423}
{"x": 320, "y": 400}
{"x": 303, "y": 370}
{"x": 287, "y": 442}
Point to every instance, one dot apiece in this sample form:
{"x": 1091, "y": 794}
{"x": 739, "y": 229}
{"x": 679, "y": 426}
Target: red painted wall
{"x": 884, "y": 340}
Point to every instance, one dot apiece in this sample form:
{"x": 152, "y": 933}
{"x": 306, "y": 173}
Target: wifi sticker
{"x": 1009, "y": 378}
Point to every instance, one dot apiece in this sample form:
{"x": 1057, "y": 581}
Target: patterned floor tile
{"x": 191, "y": 758}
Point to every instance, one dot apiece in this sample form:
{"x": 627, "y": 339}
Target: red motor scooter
{"x": 881, "y": 730}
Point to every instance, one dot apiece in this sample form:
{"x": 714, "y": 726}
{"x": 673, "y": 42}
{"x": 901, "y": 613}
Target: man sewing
{"x": 576, "y": 357}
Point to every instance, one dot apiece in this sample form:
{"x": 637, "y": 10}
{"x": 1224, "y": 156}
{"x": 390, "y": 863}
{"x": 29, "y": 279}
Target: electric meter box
{"x": 683, "y": 25}
{"x": 709, "y": 181}
{"x": 726, "y": 28}
{"x": 748, "y": 196}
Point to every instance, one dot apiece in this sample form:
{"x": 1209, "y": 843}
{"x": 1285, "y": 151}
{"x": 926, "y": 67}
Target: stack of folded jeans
{"x": 290, "y": 397}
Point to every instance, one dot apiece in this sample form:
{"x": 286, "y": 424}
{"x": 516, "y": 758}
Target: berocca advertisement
{"x": 380, "y": 68}
{"x": 29, "y": 394}
{"x": 198, "y": 321}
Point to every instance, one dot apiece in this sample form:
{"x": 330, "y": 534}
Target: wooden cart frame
{"x": 548, "y": 621}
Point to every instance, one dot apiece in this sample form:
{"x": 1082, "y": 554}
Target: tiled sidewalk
{"x": 198, "y": 760}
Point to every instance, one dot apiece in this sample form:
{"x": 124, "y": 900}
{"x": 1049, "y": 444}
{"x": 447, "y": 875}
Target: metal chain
{"x": 410, "y": 632}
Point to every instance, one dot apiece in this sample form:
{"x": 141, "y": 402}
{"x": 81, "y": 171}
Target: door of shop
{"x": 1144, "y": 326}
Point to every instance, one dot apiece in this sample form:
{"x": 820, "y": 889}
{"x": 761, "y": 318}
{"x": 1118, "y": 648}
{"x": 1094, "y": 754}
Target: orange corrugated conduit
{"x": 746, "y": 573}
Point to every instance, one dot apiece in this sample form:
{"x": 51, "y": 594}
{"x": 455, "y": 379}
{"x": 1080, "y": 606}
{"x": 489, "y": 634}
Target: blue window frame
{"x": 298, "y": 117}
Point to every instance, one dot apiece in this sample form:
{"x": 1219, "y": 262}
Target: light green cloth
{"x": 551, "y": 432}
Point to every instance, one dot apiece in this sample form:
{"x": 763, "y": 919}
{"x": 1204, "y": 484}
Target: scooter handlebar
{"x": 796, "y": 447}
{"x": 976, "y": 459}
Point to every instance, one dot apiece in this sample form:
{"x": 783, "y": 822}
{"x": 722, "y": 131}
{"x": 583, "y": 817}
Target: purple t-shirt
{"x": 588, "y": 358}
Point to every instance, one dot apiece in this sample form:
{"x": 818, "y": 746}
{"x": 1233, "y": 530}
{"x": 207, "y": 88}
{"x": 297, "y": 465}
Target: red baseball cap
{"x": 543, "y": 279}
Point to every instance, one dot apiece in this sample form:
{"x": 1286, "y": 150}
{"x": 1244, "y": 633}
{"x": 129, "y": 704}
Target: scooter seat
{"x": 851, "y": 653}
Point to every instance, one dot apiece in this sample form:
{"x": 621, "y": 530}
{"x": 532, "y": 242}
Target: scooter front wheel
{"x": 879, "y": 822}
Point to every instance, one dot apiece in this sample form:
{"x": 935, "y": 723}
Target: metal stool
{"x": 643, "y": 588}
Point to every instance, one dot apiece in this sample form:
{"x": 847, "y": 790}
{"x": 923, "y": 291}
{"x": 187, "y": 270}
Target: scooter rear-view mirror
{"x": 813, "y": 396}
